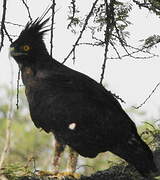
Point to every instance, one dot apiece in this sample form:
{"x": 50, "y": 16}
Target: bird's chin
{"x": 15, "y": 54}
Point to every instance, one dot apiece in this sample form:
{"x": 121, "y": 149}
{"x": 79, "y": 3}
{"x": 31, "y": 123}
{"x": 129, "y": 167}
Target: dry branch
{"x": 109, "y": 13}
{"x": 3, "y": 23}
{"x": 28, "y": 10}
{"x": 52, "y": 24}
{"x": 73, "y": 4}
{"x": 147, "y": 97}
{"x": 81, "y": 32}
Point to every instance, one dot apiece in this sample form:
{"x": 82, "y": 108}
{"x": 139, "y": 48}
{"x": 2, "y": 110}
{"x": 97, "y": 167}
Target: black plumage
{"x": 79, "y": 111}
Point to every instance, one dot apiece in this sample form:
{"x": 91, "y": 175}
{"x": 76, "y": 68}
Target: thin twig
{"x": 115, "y": 49}
{"x": 18, "y": 79}
{"x": 118, "y": 97}
{"x": 52, "y": 24}
{"x": 151, "y": 6}
{"x": 109, "y": 12}
{"x": 81, "y": 32}
{"x": 14, "y": 24}
{"x": 73, "y": 3}
{"x": 7, "y": 34}
{"x": 90, "y": 44}
{"x": 3, "y": 23}
{"x": 125, "y": 46}
{"x": 28, "y": 10}
{"x": 147, "y": 97}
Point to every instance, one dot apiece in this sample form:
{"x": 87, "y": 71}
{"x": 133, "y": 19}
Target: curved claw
{"x": 59, "y": 175}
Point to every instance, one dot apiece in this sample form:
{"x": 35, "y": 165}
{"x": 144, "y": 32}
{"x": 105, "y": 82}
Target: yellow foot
{"x": 45, "y": 173}
{"x": 59, "y": 175}
{"x": 68, "y": 174}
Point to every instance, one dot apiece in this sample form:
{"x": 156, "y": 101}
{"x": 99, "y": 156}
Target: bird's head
{"x": 30, "y": 42}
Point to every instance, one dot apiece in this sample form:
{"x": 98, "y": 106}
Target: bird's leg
{"x": 59, "y": 148}
{"x": 72, "y": 160}
{"x": 71, "y": 164}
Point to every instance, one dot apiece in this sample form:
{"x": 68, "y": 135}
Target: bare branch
{"x": 14, "y": 24}
{"x": 118, "y": 97}
{"x": 89, "y": 44}
{"x": 124, "y": 45}
{"x": 52, "y": 24}
{"x": 147, "y": 97}
{"x": 135, "y": 51}
{"x": 3, "y": 23}
{"x": 73, "y": 3}
{"x": 28, "y": 10}
{"x": 18, "y": 79}
{"x": 115, "y": 49}
{"x": 81, "y": 32}
{"x": 6, "y": 33}
{"x": 109, "y": 12}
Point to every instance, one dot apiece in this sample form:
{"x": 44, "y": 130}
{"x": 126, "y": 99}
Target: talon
{"x": 59, "y": 175}
{"x": 45, "y": 173}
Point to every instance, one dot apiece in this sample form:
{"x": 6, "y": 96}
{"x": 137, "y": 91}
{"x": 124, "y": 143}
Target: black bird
{"x": 80, "y": 112}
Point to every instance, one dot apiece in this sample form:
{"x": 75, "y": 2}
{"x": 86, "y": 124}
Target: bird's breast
{"x": 28, "y": 77}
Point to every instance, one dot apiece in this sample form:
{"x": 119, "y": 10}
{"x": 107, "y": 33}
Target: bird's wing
{"x": 69, "y": 80}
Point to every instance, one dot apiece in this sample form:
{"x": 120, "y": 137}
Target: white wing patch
{"x": 72, "y": 126}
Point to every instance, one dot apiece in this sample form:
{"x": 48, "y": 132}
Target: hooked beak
{"x": 14, "y": 53}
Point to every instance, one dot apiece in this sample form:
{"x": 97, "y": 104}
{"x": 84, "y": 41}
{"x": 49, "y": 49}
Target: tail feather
{"x": 136, "y": 152}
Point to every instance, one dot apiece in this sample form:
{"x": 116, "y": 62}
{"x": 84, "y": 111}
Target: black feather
{"x": 59, "y": 96}
{"x": 35, "y": 29}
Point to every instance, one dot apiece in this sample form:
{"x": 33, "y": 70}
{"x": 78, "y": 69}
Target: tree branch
{"x": 109, "y": 13}
{"x": 73, "y": 3}
{"x": 151, "y": 5}
{"x": 3, "y": 23}
{"x": 6, "y": 32}
{"x": 81, "y": 32}
{"x": 28, "y": 10}
{"x": 147, "y": 97}
{"x": 52, "y": 24}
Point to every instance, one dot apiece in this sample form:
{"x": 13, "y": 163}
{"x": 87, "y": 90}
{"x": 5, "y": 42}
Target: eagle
{"x": 79, "y": 111}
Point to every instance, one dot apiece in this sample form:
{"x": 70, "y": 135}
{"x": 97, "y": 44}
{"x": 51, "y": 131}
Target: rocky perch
{"x": 119, "y": 172}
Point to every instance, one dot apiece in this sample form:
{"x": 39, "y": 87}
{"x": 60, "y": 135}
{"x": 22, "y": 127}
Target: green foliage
{"x": 119, "y": 11}
{"x": 14, "y": 171}
{"x": 150, "y": 133}
{"x": 151, "y": 41}
{"x": 151, "y": 5}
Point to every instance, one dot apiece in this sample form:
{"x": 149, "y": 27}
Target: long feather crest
{"x": 35, "y": 29}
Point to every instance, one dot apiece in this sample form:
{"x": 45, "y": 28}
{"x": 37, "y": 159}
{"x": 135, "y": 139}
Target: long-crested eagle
{"x": 80, "y": 112}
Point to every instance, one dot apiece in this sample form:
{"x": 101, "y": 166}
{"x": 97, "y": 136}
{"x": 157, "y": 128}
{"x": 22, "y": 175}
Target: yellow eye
{"x": 26, "y": 48}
